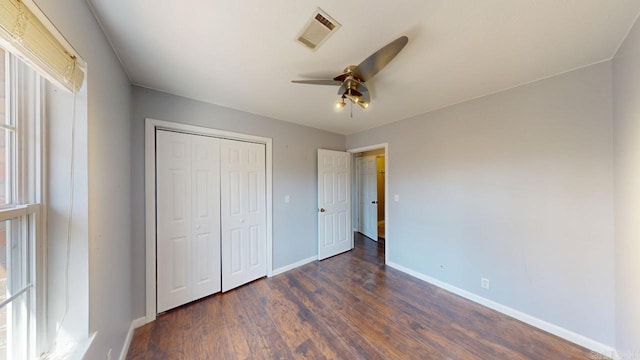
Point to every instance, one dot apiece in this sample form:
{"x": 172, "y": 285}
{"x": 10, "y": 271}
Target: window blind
{"x": 27, "y": 37}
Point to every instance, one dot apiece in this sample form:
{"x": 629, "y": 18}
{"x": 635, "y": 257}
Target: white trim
{"x": 13, "y": 212}
{"x": 526, "y": 318}
{"x": 136, "y": 323}
{"x": 42, "y": 196}
{"x": 387, "y": 199}
{"x": 150, "y": 228}
{"x": 150, "y": 189}
{"x": 296, "y": 264}
{"x": 74, "y": 350}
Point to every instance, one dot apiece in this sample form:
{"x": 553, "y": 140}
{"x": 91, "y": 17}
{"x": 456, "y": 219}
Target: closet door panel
{"x": 173, "y": 179}
{"x": 243, "y": 217}
{"x": 206, "y": 216}
{"x": 188, "y": 218}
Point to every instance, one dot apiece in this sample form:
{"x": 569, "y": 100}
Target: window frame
{"x": 24, "y": 94}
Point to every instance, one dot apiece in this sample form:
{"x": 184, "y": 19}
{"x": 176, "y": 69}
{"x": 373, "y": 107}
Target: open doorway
{"x": 378, "y": 217}
{"x": 369, "y": 194}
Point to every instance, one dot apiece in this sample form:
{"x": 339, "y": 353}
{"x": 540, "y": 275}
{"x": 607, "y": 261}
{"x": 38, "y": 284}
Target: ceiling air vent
{"x": 317, "y": 30}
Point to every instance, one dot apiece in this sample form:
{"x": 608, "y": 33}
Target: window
{"x": 20, "y": 305}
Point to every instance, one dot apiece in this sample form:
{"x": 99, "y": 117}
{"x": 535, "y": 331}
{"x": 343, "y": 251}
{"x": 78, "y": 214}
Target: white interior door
{"x": 243, "y": 213}
{"x": 188, "y": 225}
{"x": 368, "y": 197}
{"x": 334, "y": 203}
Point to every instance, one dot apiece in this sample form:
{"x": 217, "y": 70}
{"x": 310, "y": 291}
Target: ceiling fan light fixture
{"x": 340, "y": 104}
{"x": 363, "y": 104}
{"x": 353, "y": 95}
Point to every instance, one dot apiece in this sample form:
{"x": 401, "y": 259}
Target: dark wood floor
{"x": 347, "y": 307}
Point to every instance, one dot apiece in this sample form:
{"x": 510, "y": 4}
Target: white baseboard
{"x": 293, "y": 266}
{"x": 136, "y": 323}
{"x": 526, "y": 318}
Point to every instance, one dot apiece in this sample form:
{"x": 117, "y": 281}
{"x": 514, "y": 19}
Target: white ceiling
{"x": 243, "y": 54}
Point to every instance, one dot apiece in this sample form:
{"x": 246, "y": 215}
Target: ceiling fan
{"x": 353, "y": 78}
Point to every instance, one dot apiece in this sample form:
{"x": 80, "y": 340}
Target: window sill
{"x": 71, "y": 351}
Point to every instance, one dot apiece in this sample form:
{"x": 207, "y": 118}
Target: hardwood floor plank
{"x": 366, "y": 319}
{"x": 456, "y": 311}
{"x": 400, "y": 320}
{"x": 423, "y": 323}
{"x": 240, "y": 331}
{"x": 208, "y": 323}
{"x": 292, "y": 314}
{"x": 245, "y": 336}
{"x": 140, "y": 342}
{"x": 350, "y": 306}
{"x": 418, "y": 324}
{"x": 272, "y": 344}
{"x": 297, "y": 325}
{"x": 308, "y": 293}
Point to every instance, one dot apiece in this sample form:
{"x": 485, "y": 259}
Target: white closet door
{"x": 242, "y": 168}
{"x": 206, "y": 216}
{"x": 188, "y": 241}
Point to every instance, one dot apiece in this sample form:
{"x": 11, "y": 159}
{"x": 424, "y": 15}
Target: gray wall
{"x": 516, "y": 187}
{"x": 102, "y": 215}
{"x": 294, "y": 173}
{"x": 626, "y": 115}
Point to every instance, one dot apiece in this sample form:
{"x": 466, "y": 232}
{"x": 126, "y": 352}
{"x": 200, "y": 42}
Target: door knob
{"x": 322, "y": 210}
{"x": 374, "y": 202}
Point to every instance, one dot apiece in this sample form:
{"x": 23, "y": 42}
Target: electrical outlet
{"x": 484, "y": 283}
{"x": 109, "y": 354}
{"x": 287, "y": 199}
{"x": 396, "y": 198}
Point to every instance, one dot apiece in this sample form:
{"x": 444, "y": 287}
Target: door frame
{"x": 384, "y": 146}
{"x": 151, "y": 125}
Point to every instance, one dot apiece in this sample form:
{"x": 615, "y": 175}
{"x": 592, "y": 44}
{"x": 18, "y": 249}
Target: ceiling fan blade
{"x": 378, "y": 60}
{"x": 317, "y": 82}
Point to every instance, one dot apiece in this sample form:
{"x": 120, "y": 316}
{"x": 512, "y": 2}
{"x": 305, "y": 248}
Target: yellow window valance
{"x": 24, "y": 34}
